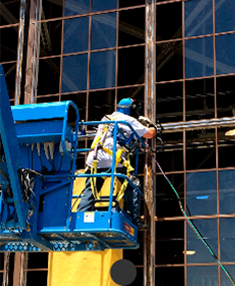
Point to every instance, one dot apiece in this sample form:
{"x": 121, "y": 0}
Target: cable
{"x": 4, "y": 175}
{"x": 192, "y": 225}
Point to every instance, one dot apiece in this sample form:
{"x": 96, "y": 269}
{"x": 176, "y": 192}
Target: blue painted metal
{"x": 25, "y": 131}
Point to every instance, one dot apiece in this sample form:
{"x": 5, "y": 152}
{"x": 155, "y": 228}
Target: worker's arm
{"x": 150, "y": 133}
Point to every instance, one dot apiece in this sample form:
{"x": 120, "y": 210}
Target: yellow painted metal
{"x": 84, "y": 267}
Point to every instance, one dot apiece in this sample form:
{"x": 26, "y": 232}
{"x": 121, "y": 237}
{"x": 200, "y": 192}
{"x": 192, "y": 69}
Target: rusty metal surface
{"x": 149, "y": 168}
{"x": 20, "y": 52}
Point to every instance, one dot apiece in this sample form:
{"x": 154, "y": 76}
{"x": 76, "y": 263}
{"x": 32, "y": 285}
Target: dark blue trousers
{"x": 131, "y": 198}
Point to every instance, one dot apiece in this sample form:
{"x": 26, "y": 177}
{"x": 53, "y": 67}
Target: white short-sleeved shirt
{"x": 104, "y": 159}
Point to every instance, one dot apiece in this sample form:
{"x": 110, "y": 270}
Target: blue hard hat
{"x": 124, "y": 106}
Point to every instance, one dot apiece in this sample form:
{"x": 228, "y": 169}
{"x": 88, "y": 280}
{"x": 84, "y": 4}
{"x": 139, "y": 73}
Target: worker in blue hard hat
{"x": 128, "y": 111}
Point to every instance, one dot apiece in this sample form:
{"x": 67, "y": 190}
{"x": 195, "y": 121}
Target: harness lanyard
{"x": 98, "y": 143}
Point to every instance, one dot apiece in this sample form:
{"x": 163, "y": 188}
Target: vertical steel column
{"x": 149, "y": 170}
{"x": 20, "y": 52}
{"x": 31, "y": 53}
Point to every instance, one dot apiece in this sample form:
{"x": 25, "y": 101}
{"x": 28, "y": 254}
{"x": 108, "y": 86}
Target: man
{"x": 126, "y": 111}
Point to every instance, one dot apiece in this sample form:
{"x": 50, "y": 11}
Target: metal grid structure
{"x": 185, "y": 76}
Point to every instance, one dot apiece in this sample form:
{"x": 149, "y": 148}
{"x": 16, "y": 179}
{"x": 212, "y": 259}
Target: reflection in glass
{"x": 200, "y": 99}
{"x": 226, "y": 97}
{"x": 200, "y": 149}
{"x": 76, "y": 35}
{"x": 202, "y": 275}
{"x": 169, "y": 102}
{"x": 227, "y": 191}
{"x": 100, "y": 103}
{"x": 168, "y": 57}
{"x": 208, "y": 229}
{"x": 74, "y": 75}
{"x": 74, "y": 7}
{"x": 48, "y": 76}
{"x": 131, "y": 26}
{"x": 51, "y": 9}
{"x": 169, "y": 242}
{"x": 224, "y": 16}
{"x": 131, "y": 66}
{"x": 198, "y": 18}
{"x": 50, "y": 38}
{"x": 201, "y": 193}
{"x": 9, "y": 43}
{"x": 227, "y": 238}
{"x": 199, "y": 57}
{"x": 9, "y": 12}
{"x": 98, "y": 5}
{"x": 165, "y": 29}
{"x": 225, "y": 281}
{"x": 10, "y": 77}
{"x": 102, "y": 69}
{"x": 167, "y": 204}
{"x": 225, "y": 55}
{"x": 103, "y": 31}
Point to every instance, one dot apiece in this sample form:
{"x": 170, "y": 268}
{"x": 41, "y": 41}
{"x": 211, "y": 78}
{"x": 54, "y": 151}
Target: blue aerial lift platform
{"x": 38, "y": 151}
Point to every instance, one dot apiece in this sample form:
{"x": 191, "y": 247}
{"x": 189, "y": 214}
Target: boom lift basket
{"x": 37, "y": 171}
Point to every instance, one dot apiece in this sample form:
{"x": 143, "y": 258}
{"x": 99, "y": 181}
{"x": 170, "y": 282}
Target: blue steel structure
{"x": 37, "y": 171}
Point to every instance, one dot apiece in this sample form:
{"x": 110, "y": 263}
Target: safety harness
{"x": 99, "y": 144}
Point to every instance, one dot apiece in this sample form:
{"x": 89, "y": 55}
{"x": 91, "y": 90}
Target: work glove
{"x": 144, "y": 120}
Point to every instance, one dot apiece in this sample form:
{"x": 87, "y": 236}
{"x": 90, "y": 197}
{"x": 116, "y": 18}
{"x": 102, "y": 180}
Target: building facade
{"x": 176, "y": 57}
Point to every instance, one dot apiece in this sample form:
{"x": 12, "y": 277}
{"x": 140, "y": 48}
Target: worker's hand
{"x": 144, "y": 120}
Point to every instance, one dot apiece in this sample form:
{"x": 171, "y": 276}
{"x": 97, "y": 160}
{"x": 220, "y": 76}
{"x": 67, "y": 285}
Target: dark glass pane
{"x": 224, "y": 16}
{"x": 129, "y": 3}
{"x": 103, "y": 31}
{"x": 165, "y": 29}
{"x": 131, "y": 66}
{"x": 76, "y": 35}
{"x": 10, "y": 12}
{"x": 199, "y": 57}
{"x": 168, "y": 57}
{"x": 165, "y": 276}
{"x": 169, "y": 246}
{"x": 169, "y": 105}
{"x": 202, "y": 275}
{"x": 42, "y": 99}
{"x": 9, "y": 44}
{"x": 198, "y": 18}
{"x": 196, "y": 249}
{"x": 74, "y": 77}
{"x": 135, "y": 255}
{"x": 1, "y": 278}
{"x": 171, "y": 159}
{"x": 201, "y": 193}
{"x": 48, "y": 76}
{"x": 227, "y": 238}
{"x": 73, "y": 7}
{"x": 80, "y": 100}
{"x": 226, "y": 191}
{"x": 10, "y": 77}
{"x": 200, "y": 99}
{"x": 36, "y": 277}
{"x": 99, "y": 5}
{"x": 224, "y": 278}
{"x": 167, "y": 204}
{"x": 50, "y": 38}
{"x": 226, "y": 96}
{"x": 225, "y": 56}
{"x": 200, "y": 149}
{"x": 51, "y": 9}
{"x": 131, "y": 27}
{"x": 37, "y": 260}
{"x": 1, "y": 261}
{"x": 102, "y": 69}
{"x": 100, "y": 103}
{"x": 226, "y": 147}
